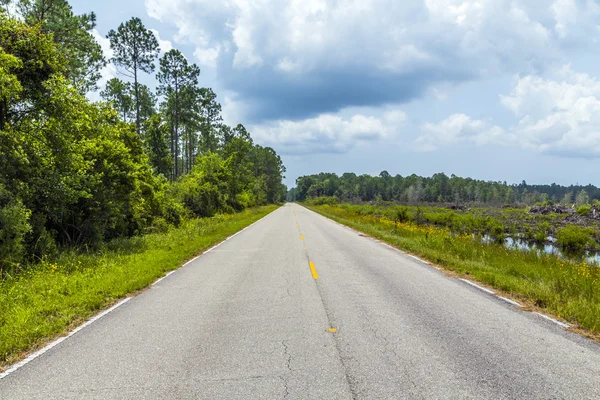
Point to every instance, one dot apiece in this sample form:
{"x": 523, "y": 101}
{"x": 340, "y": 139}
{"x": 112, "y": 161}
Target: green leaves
{"x": 135, "y": 47}
{"x": 81, "y": 54}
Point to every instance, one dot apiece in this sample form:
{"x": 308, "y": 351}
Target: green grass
{"x": 47, "y": 299}
{"x": 566, "y": 289}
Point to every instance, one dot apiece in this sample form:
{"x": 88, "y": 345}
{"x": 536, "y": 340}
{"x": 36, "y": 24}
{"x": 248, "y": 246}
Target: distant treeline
{"x": 439, "y": 188}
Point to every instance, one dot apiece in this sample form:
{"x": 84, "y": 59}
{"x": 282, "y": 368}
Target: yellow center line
{"x": 301, "y": 237}
{"x": 332, "y": 330}
{"x": 313, "y": 270}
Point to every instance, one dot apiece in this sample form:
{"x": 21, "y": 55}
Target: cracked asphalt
{"x": 249, "y": 321}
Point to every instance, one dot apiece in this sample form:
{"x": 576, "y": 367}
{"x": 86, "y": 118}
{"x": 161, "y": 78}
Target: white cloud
{"x": 382, "y": 33}
{"x": 327, "y": 133}
{"x": 401, "y": 47}
{"x": 208, "y": 56}
{"x": 459, "y": 128}
{"x": 556, "y": 116}
{"x": 576, "y": 18}
{"x": 559, "y": 115}
{"x": 165, "y": 45}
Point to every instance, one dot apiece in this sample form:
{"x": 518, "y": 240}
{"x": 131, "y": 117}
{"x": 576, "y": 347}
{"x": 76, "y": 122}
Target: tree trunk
{"x": 176, "y": 128}
{"x": 137, "y": 99}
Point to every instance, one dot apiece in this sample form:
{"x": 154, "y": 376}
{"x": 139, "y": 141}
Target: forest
{"x": 75, "y": 173}
{"x": 439, "y": 188}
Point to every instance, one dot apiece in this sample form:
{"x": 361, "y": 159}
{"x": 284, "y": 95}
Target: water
{"x": 592, "y": 257}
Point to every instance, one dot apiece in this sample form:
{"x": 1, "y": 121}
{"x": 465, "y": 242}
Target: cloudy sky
{"x": 493, "y": 89}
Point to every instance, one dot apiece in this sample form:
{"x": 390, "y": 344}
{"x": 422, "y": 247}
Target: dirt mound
{"x": 545, "y": 210}
{"x": 458, "y": 208}
{"x": 593, "y": 215}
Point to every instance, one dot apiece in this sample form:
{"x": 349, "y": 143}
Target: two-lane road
{"x": 253, "y": 319}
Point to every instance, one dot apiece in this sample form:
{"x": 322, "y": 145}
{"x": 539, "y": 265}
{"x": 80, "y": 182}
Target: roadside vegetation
{"x": 46, "y": 299}
{"x": 98, "y": 198}
{"x": 75, "y": 174}
{"x": 566, "y": 288}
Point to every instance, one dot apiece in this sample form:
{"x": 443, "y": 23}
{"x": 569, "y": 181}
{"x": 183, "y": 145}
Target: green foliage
{"x": 574, "y": 238}
{"x": 582, "y": 198}
{"x": 81, "y": 54}
{"x": 14, "y": 226}
{"x": 584, "y": 210}
{"x": 156, "y": 137}
{"x": 135, "y": 49}
{"x": 74, "y": 174}
{"x": 178, "y": 80}
{"x": 118, "y": 93}
{"x": 203, "y": 190}
{"x": 319, "y": 201}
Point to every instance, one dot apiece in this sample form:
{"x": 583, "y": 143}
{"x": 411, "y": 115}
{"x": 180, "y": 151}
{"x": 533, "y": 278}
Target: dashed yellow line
{"x": 313, "y": 270}
{"x": 301, "y": 237}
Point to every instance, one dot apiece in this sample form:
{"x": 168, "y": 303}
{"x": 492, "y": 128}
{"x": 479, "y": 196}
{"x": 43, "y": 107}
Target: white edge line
{"x": 419, "y": 259}
{"x": 557, "y": 322}
{"x": 165, "y": 276}
{"x": 226, "y": 239}
{"x": 38, "y": 353}
{"x": 509, "y": 301}
{"x": 90, "y": 321}
{"x": 477, "y": 286}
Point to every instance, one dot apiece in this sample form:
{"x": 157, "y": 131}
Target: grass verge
{"x": 568, "y": 290}
{"x": 48, "y": 299}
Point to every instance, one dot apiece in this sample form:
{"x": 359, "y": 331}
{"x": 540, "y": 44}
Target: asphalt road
{"x": 250, "y": 321}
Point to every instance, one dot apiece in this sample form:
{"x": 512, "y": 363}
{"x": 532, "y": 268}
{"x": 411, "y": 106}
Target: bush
{"x": 174, "y": 212}
{"x": 322, "y": 200}
{"x": 14, "y": 225}
{"x": 584, "y": 210}
{"x": 401, "y": 215}
{"x": 574, "y": 238}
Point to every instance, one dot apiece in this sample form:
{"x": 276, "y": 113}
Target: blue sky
{"x": 500, "y": 90}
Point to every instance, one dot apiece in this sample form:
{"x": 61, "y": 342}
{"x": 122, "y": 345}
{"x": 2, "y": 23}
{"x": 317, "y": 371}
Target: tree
{"x": 72, "y": 33}
{"x": 135, "y": 49}
{"x": 156, "y": 137}
{"x": 118, "y": 93}
{"x": 122, "y": 96}
{"x": 176, "y": 75}
{"x": 211, "y": 119}
{"x": 582, "y": 198}
{"x": 567, "y": 198}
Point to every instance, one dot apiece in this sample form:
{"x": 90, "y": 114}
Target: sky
{"x": 501, "y": 90}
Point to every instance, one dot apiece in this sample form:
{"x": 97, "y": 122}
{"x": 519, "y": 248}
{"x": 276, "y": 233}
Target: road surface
{"x": 249, "y": 320}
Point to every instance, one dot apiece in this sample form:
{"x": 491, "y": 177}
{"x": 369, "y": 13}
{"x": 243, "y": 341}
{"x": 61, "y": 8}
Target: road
{"x": 249, "y": 320}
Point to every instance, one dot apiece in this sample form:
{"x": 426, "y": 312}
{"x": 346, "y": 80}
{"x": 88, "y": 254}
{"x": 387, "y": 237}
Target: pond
{"x": 592, "y": 257}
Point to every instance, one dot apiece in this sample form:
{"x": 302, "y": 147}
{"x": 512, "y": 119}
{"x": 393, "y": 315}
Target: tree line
{"x": 438, "y": 188}
{"x": 74, "y": 172}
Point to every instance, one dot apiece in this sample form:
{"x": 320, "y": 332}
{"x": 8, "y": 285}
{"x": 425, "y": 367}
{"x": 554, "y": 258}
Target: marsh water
{"x": 592, "y": 257}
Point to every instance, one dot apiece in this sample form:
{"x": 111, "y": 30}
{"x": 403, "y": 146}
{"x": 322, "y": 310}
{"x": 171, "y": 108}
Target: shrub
{"x": 322, "y": 200}
{"x": 401, "y": 215}
{"x": 540, "y": 237}
{"x": 14, "y": 225}
{"x": 584, "y": 210}
{"x": 574, "y": 238}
